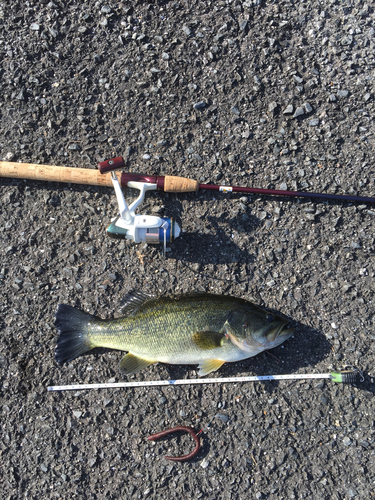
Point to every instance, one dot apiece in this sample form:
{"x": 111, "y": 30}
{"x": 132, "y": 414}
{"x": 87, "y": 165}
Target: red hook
{"x": 191, "y": 431}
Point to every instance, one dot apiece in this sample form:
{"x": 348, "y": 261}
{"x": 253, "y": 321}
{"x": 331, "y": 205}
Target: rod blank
{"x": 162, "y": 183}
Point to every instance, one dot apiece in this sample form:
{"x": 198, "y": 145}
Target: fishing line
{"x": 350, "y": 376}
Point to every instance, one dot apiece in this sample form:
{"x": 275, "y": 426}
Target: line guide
{"x": 351, "y": 376}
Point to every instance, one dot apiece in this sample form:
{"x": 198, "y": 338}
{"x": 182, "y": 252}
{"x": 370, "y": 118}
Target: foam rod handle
{"x": 173, "y": 184}
{"x": 33, "y": 171}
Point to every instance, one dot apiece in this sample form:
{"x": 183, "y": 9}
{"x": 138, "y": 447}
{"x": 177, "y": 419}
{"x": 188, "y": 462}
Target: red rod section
{"x": 159, "y": 180}
{"x": 279, "y": 192}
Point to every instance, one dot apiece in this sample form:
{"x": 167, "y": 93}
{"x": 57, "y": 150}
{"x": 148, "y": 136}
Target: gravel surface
{"x": 258, "y": 93}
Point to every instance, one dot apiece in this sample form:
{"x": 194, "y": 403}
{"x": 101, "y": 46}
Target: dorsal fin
{"x": 132, "y": 301}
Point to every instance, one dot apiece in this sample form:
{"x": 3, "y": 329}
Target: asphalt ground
{"x": 260, "y": 94}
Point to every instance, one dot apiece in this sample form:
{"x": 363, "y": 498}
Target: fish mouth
{"x": 281, "y": 332}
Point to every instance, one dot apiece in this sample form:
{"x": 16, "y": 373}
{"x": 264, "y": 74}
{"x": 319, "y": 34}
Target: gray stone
{"x": 199, "y": 105}
{"x": 297, "y": 79}
{"x": 222, "y": 417}
{"x": 299, "y": 112}
{"x": 273, "y": 106}
{"x": 288, "y": 110}
{"x": 243, "y": 24}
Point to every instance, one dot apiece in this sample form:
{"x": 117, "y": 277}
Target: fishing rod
{"x": 139, "y": 227}
{"x": 350, "y": 376}
{"x": 168, "y": 183}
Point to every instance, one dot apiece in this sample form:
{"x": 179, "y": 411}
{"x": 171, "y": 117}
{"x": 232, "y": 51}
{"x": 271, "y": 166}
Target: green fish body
{"x": 202, "y": 329}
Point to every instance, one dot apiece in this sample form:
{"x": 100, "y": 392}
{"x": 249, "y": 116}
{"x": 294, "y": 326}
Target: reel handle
{"x": 110, "y": 165}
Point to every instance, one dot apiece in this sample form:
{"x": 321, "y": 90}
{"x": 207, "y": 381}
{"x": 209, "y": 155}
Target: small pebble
{"x": 199, "y": 105}
{"x": 288, "y": 110}
{"x": 205, "y": 463}
{"x": 272, "y": 107}
{"x": 243, "y": 25}
{"x": 222, "y": 417}
{"x": 299, "y": 112}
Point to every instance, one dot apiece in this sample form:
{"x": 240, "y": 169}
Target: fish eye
{"x": 269, "y": 317}
{"x": 245, "y": 326}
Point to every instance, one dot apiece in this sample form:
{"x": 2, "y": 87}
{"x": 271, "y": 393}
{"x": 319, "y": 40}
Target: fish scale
{"x": 154, "y": 329}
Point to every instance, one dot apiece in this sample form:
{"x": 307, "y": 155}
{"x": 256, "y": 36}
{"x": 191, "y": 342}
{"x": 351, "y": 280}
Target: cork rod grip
{"x": 173, "y": 184}
{"x": 33, "y": 171}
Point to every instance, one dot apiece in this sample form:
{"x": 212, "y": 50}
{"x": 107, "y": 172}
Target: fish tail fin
{"x": 73, "y": 339}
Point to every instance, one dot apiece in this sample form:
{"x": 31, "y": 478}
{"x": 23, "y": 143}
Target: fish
{"x": 190, "y": 329}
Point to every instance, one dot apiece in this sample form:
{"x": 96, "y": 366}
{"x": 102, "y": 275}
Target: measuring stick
{"x": 347, "y": 377}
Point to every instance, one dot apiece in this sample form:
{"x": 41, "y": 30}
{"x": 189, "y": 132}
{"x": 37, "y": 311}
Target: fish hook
{"x": 183, "y": 428}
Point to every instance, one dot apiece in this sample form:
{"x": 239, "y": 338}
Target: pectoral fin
{"x": 132, "y": 364}
{"x": 208, "y": 340}
{"x": 210, "y": 365}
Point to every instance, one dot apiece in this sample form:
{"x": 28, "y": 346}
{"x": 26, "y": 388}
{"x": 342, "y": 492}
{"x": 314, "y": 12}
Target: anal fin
{"x": 132, "y": 364}
{"x": 210, "y": 365}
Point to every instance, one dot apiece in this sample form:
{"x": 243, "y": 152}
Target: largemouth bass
{"x": 204, "y": 329}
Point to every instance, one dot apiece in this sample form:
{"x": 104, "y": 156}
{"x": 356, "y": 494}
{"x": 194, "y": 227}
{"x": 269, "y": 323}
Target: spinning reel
{"x": 135, "y": 227}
